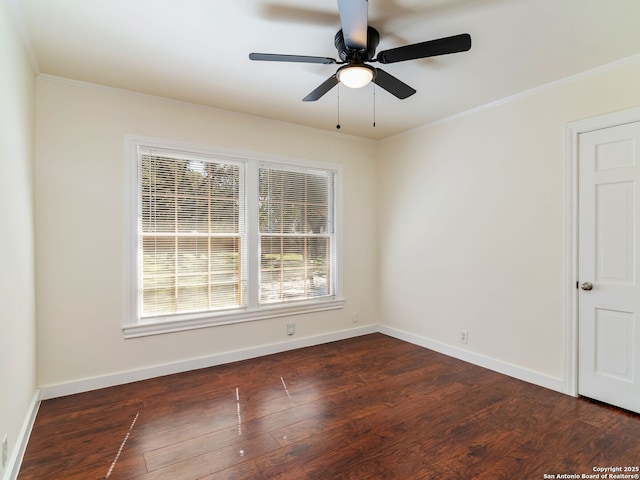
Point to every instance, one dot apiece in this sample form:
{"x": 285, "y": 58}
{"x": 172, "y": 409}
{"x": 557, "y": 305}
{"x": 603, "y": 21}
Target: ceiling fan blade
{"x": 392, "y": 85}
{"x": 431, "y": 48}
{"x": 274, "y": 57}
{"x": 353, "y": 17}
{"x": 327, "y": 85}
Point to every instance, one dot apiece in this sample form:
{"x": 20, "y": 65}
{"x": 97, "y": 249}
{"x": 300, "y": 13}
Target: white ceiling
{"x": 197, "y": 51}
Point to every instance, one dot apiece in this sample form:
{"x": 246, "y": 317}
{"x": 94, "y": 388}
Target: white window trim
{"x": 132, "y": 328}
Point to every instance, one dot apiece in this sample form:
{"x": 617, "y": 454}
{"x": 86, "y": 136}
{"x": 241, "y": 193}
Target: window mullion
{"x": 282, "y": 220}
{"x": 176, "y": 257}
{"x": 306, "y": 239}
{"x": 252, "y": 201}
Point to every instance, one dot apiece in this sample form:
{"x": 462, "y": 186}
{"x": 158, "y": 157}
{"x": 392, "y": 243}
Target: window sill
{"x": 159, "y": 327}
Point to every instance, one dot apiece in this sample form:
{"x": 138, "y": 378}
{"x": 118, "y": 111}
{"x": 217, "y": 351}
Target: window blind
{"x": 192, "y": 235}
{"x": 297, "y": 234}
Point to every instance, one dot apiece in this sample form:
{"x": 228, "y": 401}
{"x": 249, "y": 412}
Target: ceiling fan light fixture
{"x": 355, "y": 76}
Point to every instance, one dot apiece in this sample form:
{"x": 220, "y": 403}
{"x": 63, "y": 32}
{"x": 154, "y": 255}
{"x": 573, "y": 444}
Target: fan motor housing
{"x": 351, "y": 55}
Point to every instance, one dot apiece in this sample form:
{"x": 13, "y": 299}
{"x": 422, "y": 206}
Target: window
{"x": 296, "y": 234}
{"x": 216, "y": 238}
{"x": 191, "y": 234}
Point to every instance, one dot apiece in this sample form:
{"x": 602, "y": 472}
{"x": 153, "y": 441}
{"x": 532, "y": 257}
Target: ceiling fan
{"x": 356, "y": 43}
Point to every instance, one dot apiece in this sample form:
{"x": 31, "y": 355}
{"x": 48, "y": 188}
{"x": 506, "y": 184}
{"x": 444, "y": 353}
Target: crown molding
{"x": 524, "y": 94}
{"x": 158, "y": 98}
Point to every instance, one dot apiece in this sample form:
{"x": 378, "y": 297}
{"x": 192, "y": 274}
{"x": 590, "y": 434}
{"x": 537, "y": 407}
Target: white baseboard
{"x": 484, "y": 361}
{"x": 87, "y": 384}
{"x": 15, "y": 459}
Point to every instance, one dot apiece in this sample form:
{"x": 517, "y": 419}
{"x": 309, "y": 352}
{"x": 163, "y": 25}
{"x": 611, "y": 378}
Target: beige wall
{"x": 471, "y": 222}
{"x": 80, "y": 219}
{"x": 17, "y": 297}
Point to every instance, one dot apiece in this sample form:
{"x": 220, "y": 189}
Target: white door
{"x": 608, "y": 265}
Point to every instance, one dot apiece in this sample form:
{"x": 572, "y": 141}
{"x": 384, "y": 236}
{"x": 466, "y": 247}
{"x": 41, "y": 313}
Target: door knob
{"x": 586, "y": 286}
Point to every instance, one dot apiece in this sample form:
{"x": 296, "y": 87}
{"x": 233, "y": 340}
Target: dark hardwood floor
{"x": 371, "y": 407}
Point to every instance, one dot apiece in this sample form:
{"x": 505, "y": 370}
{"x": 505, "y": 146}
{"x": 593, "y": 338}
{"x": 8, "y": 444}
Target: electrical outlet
{"x": 5, "y": 450}
{"x": 464, "y": 336}
{"x": 291, "y": 328}
{"x": 354, "y": 317}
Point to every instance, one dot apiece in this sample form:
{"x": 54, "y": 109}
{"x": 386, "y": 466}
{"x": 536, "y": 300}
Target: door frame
{"x": 572, "y": 132}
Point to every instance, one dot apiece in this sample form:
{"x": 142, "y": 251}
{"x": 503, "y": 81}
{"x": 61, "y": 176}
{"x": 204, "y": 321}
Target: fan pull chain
{"x": 374, "y": 104}
{"x": 338, "y": 124}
